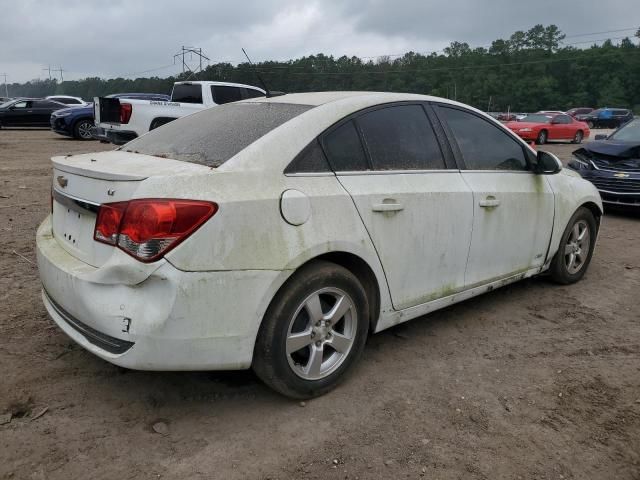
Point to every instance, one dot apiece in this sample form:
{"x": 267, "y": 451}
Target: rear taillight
{"x": 125, "y": 112}
{"x": 147, "y": 229}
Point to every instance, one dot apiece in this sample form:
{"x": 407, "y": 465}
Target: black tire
{"x": 578, "y": 137}
{"x": 542, "y": 137}
{"x": 81, "y": 129}
{"x": 559, "y": 270}
{"x": 273, "y": 364}
{"x": 590, "y": 124}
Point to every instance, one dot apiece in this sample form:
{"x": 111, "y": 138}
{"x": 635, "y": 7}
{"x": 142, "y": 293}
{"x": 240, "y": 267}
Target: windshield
{"x": 213, "y": 136}
{"x": 536, "y": 118}
{"x": 629, "y": 133}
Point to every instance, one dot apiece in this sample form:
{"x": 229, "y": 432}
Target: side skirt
{"x": 395, "y": 318}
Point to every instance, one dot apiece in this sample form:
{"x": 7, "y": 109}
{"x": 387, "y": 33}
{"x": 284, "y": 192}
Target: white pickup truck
{"x": 121, "y": 120}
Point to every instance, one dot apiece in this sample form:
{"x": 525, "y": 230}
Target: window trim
{"x": 457, "y": 153}
{"x": 445, "y": 150}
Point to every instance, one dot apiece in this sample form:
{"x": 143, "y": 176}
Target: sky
{"x": 136, "y": 38}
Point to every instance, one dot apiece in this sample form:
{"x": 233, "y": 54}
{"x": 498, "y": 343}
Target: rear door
{"x": 513, "y": 208}
{"x": 417, "y": 211}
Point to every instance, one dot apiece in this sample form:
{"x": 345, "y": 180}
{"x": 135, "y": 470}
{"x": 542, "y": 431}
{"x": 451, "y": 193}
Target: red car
{"x": 542, "y": 128}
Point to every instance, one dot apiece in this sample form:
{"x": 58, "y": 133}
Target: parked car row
{"x": 78, "y": 122}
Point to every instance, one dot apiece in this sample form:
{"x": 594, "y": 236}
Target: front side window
{"x": 344, "y": 149}
{"x": 223, "y": 94}
{"x": 483, "y": 146}
{"x": 251, "y": 93}
{"x": 400, "y": 138}
{"x": 22, "y": 105}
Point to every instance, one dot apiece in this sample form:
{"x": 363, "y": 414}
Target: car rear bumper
{"x": 172, "y": 320}
{"x": 117, "y": 137}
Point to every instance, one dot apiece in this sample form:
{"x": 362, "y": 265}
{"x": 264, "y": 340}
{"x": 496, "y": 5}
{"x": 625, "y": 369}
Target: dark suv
{"x": 606, "y": 117}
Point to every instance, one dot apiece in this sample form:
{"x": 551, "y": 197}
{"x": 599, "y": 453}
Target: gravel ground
{"x": 532, "y": 381}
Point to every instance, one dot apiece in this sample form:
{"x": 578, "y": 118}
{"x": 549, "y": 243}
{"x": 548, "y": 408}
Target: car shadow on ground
{"x": 168, "y": 391}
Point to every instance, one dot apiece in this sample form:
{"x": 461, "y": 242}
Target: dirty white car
{"x": 279, "y": 233}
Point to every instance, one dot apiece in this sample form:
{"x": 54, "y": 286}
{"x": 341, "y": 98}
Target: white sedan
{"x": 278, "y": 233}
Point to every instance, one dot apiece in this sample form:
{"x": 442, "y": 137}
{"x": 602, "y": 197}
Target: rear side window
{"x": 401, "y": 138}
{"x": 310, "y": 160}
{"x": 213, "y": 136}
{"x": 483, "y": 146}
{"x": 187, "y": 93}
{"x": 46, "y": 104}
{"x": 222, "y": 94}
{"x": 344, "y": 149}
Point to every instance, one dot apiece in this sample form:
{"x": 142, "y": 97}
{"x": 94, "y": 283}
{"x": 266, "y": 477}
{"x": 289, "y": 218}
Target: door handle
{"x": 490, "y": 201}
{"x": 392, "y": 206}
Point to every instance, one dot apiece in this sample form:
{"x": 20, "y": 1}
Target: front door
{"x": 513, "y": 208}
{"x": 418, "y": 213}
{"x": 18, "y": 114}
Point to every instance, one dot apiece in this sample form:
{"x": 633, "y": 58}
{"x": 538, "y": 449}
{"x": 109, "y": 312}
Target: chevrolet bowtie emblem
{"x": 621, "y": 175}
{"x": 62, "y": 181}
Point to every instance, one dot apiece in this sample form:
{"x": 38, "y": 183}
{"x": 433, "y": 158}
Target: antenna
{"x": 270, "y": 93}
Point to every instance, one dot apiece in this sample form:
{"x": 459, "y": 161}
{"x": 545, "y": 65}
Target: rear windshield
{"x": 213, "y": 136}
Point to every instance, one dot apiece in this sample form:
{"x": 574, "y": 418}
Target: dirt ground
{"x": 532, "y": 381}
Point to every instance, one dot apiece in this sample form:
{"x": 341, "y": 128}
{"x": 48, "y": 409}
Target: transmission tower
{"x": 191, "y": 51}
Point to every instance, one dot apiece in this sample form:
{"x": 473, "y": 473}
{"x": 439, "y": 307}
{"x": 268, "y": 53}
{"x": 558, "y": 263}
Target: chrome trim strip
{"x": 75, "y": 203}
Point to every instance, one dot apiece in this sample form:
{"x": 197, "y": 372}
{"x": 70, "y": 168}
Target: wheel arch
{"x": 352, "y": 262}
{"x": 595, "y": 210}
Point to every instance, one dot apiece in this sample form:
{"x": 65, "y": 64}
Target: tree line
{"x": 529, "y": 71}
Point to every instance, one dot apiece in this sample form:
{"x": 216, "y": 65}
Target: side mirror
{"x": 601, "y": 136}
{"x": 547, "y": 163}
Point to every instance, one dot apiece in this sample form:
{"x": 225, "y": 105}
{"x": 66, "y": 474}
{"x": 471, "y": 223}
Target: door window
{"x": 223, "y": 94}
{"x": 186, "y": 93}
{"x": 344, "y": 149}
{"x": 22, "y": 105}
{"x": 400, "y": 138}
{"x": 562, "y": 119}
{"x": 251, "y": 93}
{"x": 483, "y": 146}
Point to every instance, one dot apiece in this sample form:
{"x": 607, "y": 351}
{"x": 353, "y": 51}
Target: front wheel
{"x": 591, "y": 124}
{"x": 82, "y": 130}
{"x": 576, "y": 248}
{"x": 542, "y": 137}
{"x": 313, "y": 332}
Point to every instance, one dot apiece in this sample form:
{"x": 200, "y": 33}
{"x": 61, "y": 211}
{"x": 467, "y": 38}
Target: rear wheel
{"x": 542, "y": 137}
{"x": 576, "y": 248}
{"x": 82, "y": 130}
{"x": 578, "y": 137}
{"x": 313, "y": 332}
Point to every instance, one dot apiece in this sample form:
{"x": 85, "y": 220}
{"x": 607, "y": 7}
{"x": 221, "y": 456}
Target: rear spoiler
{"x": 106, "y": 109}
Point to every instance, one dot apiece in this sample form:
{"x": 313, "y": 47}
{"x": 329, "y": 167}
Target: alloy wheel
{"x": 576, "y": 250}
{"x": 321, "y": 333}
{"x": 84, "y": 130}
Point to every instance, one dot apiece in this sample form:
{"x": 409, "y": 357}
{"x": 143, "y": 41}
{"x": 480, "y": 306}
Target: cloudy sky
{"x": 128, "y": 38}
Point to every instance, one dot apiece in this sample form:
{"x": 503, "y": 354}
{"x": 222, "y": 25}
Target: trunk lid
{"x": 81, "y": 183}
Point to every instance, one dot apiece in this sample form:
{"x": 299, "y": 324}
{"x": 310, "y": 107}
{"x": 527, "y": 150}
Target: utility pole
{"x": 6, "y": 89}
{"x": 192, "y": 51}
{"x": 48, "y": 69}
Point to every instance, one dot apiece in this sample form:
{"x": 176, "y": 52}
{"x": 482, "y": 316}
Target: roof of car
{"x": 322, "y": 98}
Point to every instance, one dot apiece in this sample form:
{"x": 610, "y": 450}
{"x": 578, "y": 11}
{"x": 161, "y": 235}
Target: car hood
{"x": 76, "y": 109}
{"x": 612, "y": 148}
